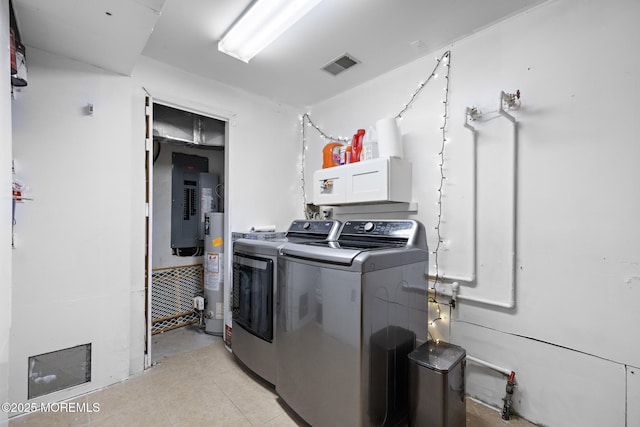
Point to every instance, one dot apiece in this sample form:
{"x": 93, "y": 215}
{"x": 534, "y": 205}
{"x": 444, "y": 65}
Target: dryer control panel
{"x": 321, "y": 228}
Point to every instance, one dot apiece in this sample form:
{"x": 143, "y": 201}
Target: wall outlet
{"x": 198, "y": 303}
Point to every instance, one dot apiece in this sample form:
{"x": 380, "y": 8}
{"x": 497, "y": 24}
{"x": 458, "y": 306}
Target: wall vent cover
{"x": 59, "y": 370}
{"x": 340, "y": 64}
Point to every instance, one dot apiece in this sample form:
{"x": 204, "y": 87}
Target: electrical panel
{"x": 186, "y": 212}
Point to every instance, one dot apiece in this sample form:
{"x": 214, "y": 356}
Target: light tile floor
{"x": 204, "y": 386}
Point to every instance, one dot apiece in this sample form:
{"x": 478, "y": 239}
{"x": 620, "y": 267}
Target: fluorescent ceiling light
{"x": 261, "y": 24}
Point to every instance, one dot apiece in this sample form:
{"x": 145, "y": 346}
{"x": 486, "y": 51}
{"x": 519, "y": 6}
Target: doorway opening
{"x": 186, "y": 170}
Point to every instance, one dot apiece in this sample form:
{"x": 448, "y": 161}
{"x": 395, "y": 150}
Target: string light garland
{"x": 439, "y": 317}
{"x": 303, "y": 161}
{"x": 443, "y": 129}
{"x": 446, "y": 58}
{"x": 306, "y": 120}
{"x": 322, "y": 134}
{"x": 441, "y": 162}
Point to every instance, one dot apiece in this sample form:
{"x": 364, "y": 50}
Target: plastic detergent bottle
{"x": 369, "y": 145}
{"x": 347, "y": 155}
{"x": 356, "y": 145}
{"x": 330, "y": 155}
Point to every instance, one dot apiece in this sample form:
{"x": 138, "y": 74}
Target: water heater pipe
{"x": 504, "y": 371}
{"x": 511, "y": 303}
{"x": 514, "y": 210}
{"x": 511, "y": 383}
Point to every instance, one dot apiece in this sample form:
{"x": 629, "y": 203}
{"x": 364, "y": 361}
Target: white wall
{"x": 74, "y": 246}
{"x": 79, "y": 262}
{"x": 5, "y": 210}
{"x": 569, "y": 336}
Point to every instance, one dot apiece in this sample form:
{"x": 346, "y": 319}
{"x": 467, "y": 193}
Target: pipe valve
{"x": 507, "y": 408}
{"x": 474, "y": 113}
{"x": 511, "y": 100}
{"x": 455, "y": 287}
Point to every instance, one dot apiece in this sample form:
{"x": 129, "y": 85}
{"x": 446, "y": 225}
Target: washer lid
{"x": 258, "y": 247}
{"x": 325, "y": 252}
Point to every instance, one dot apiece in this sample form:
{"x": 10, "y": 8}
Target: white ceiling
{"x": 184, "y": 33}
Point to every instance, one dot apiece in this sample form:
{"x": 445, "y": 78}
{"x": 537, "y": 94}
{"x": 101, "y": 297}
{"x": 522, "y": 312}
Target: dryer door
{"x": 253, "y": 295}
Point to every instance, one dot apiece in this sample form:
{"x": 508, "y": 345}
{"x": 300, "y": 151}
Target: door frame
{"x": 203, "y": 110}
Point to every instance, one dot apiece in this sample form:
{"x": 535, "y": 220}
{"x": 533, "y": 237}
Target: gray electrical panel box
{"x": 185, "y": 200}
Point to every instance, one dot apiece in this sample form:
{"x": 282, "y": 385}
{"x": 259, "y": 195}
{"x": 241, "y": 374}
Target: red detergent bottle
{"x": 356, "y": 145}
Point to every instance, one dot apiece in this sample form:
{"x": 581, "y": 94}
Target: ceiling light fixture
{"x": 261, "y": 24}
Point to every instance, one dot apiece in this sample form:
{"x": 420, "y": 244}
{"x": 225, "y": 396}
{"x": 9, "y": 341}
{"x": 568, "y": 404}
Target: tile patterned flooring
{"x": 204, "y": 386}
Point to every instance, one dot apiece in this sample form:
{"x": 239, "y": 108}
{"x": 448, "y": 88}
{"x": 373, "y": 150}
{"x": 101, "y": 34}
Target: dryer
{"x": 254, "y": 289}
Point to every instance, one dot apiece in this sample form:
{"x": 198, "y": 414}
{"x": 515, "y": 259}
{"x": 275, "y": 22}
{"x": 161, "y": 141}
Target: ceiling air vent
{"x": 340, "y": 64}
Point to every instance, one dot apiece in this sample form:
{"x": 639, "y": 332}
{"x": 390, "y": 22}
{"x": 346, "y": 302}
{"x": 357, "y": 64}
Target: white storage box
{"x": 371, "y": 181}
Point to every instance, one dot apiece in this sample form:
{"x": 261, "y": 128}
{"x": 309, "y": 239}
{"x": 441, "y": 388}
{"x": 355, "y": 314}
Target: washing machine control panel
{"x": 379, "y": 228}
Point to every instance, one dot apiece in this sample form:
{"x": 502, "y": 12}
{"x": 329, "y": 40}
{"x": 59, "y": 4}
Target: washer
{"x": 254, "y": 289}
{"x": 349, "y": 312}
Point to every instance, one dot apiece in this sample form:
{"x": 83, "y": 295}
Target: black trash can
{"x": 436, "y": 385}
{"x": 389, "y": 375}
